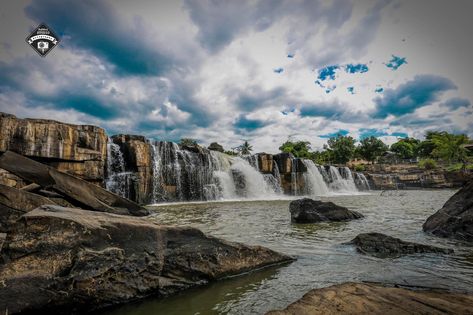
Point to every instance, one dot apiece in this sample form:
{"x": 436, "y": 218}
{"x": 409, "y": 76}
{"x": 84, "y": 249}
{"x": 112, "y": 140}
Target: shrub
{"x": 359, "y": 168}
{"x": 428, "y": 164}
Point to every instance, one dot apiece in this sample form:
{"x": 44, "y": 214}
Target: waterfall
{"x": 315, "y": 184}
{"x": 341, "y": 180}
{"x": 249, "y": 182}
{"x": 118, "y": 180}
{"x": 361, "y": 181}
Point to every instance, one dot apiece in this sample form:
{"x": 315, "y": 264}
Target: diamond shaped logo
{"x": 42, "y": 40}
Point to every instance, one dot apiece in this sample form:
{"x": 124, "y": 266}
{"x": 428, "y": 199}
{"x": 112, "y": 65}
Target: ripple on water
{"x": 323, "y": 259}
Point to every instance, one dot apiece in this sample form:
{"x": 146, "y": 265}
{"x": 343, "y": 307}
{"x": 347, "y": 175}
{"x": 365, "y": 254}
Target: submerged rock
{"x": 455, "y": 219}
{"x": 384, "y": 246}
{"x": 361, "y": 298}
{"x": 69, "y": 260}
{"x": 310, "y": 211}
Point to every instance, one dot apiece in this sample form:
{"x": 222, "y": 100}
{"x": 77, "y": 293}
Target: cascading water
{"x": 118, "y": 180}
{"x": 249, "y": 182}
{"x": 315, "y": 184}
{"x": 342, "y": 180}
{"x": 361, "y": 181}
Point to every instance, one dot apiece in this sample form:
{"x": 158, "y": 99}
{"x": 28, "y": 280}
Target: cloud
{"x": 249, "y": 124}
{"x": 379, "y": 90}
{"x": 421, "y": 91}
{"x": 395, "y": 62}
{"x": 456, "y": 102}
{"x": 399, "y": 134}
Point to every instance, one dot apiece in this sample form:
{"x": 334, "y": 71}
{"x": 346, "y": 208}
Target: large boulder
{"x": 455, "y": 219}
{"x": 65, "y": 260}
{"x": 364, "y": 298}
{"x": 311, "y": 211}
{"x": 384, "y": 246}
{"x": 80, "y": 150}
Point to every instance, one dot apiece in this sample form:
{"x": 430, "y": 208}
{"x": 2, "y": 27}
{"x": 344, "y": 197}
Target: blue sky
{"x": 229, "y": 71}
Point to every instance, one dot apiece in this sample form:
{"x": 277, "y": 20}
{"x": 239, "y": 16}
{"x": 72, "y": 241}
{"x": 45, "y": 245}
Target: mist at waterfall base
{"x": 183, "y": 175}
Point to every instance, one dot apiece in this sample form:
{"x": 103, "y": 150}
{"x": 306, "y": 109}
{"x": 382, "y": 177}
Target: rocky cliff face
{"x": 79, "y": 150}
{"x": 137, "y": 156}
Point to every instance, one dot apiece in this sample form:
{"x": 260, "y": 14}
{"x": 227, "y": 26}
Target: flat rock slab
{"x": 65, "y": 260}
{"x": 360, "y": 298}
{"x": 311, "y": 211}
{"x": 455, "y": 219}
{"x": 384, "y": 246}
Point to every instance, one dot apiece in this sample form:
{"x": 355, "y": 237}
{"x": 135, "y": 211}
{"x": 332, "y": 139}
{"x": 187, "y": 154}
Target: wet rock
{"x": 15, "y": 202}
{"x": 311, "y": 211}
{"x": 384, "y": 246}
{"x": 364, "y": 298}
{"x": 214, "y": 146}
{"x": 284, "y": 161}
{"x": 77, "y": 149}
{"x": 455, "y": 219}
{"x": 137, "y": 153}
{"x": 79, "y": 192}
{"x": 64, "y": 260}
{"x": 265, "y": 163}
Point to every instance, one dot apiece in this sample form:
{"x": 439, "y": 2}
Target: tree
{"x": 341, "y": 148}
{"x": 371, "y": 148}
{"x": 245, "y": 148}
{"x": 407, "y": 148}
{"x": 299, "y": 149}
{"x": 188, "y": 142}
{"x": 449, "y": 147}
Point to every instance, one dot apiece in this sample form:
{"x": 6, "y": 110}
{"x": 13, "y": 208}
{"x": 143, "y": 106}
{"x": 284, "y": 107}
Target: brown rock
{"x": 265, "y": 163}
{"x": 360, "y": 298}
{"x": 63, "y": 260}
{"x": 137, "y": 154}
{"x": 52, "y": 141}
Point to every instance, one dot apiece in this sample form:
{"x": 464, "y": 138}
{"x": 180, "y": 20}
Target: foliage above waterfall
{"x": 300, "y": 149}
{"x": 371, "y": 148}
{"x": 342, "y": 148}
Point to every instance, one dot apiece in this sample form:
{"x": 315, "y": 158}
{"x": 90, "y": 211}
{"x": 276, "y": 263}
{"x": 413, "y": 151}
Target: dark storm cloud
{"x": 249, "y": 124}
{"x": 95, "y": 26}
{"x": 456, "y": 102}
{"x": 421, "y": 91}
{"x": 256, "y": 97}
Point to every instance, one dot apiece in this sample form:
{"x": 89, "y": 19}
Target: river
{"x": 322, "y": 258}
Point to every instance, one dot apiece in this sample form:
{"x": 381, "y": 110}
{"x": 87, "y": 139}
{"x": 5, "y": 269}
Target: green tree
{"x": 300, "y": 149}
{"x": 341, "y": 148}
{"x": 371, "y": 148}
{"x": 407, "y": 148}
{"x": 188, "y": 142}
{"x": 245, "y": 148}
{"x": 449, "y": 147}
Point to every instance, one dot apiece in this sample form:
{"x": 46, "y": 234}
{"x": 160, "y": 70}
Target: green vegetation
{"x": 188, "y": 142}
{"x": 428, "y": 164}
{"x": 437, "y": 148}
{"x": 245, "y": 148}
{"x": 371, "y": 148}
{"x": 359, "y": 168}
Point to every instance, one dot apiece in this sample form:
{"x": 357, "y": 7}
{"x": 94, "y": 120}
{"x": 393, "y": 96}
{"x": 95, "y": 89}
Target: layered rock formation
{"x": 384, "y": 246}
{"x": 79, "y": 150}
{"x": 360, "y": 298}
{"x": 455, "y": 219}
{"x": 138, "y": 159}
{"x": 65, "y": 260}
{"x": 311, "y": 211}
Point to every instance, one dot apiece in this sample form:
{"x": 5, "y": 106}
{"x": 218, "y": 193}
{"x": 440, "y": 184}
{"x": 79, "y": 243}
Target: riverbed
{"x": 322, "y": 257}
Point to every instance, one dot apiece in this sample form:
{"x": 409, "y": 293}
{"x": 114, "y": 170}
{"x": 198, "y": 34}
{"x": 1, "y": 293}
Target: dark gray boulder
{"x": 385, "y": 246}
{"x": 65, "y": 260}
{"x": 455, "y": 219}
{"x": 311, "y": 211}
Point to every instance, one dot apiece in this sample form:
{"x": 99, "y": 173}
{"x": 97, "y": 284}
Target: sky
{"x": 264, "y": 71}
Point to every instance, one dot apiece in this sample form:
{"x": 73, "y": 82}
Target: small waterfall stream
{"x": 314, "y": 181}
{"x": 118, "y": 180}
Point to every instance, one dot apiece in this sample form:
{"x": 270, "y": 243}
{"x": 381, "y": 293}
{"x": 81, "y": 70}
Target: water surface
{"x": 322, "y": 258}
